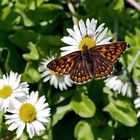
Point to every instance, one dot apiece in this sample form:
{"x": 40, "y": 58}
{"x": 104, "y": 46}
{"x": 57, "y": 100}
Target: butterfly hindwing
{"x": 81, "y": 70}
{"x": 101, "y": 66}
{"x": 64, "y": 64}
{"x": 110, "y": 51}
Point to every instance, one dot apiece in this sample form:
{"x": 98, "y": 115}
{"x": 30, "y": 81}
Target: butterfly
{"x": 96, "y": 62}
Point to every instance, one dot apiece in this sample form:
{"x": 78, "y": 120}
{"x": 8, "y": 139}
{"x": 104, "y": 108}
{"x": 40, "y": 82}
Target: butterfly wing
{"x": 110, "y": 51}
{"x": 73, "y": 64}
{"x": 101, "y": 66}
{"x": 81, "y": 71}
{"x": 104, "y": 56}
{"x": 64, "y": 65}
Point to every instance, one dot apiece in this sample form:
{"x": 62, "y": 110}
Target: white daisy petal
{"x": 44, "y": 112}
{"x": 93, "y": 25}
{"x": 104, "y": 40}
{"x": 40, "y": 126}
{"x": 129, "y": 92}
{"x": 136, "y": 101}
{"x": 68, "y": 47}
{"x": 33, "y": 97}
{"x": 82, "y": 28}
{"x": 138, "y": 114}
{"x": 56, "y": 83}
{"x": 117, "y": 84}
{"x": 45, "y": 73}
{"x": 69, "y": 40}
{"x": 12, "y": 127}
{"x": 46, "y": 79}
{"x": 137, "y": 105}
{"x": 137, "y": 82}
{"x": 20, "y": 130}
{"x": 14, "y": 116}
{"x": 78, "y": 36}
{"x": 101, "y": 35}
{"x": 99, "y": 29}
{"x": 41, "y": 119}
{"x": 71, "y": 32}
{"x": 68, "y": 52}
{"x": 30, "y": 130}
{"x": 52, "y": 80}
{"x": 40, "y": 101}
{"x": 11, "y": 121}
{"x": 89, "y": 28}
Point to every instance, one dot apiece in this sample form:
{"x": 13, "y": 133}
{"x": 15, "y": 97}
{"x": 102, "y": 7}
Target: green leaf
{"x": 121, "y": 131}
{"x": 117, "y": 5}
{"x": 60, "y": 112}
{"x": 45, "y": 12}
{"x": 39, "y": 2}
{"x": 13, "y": 59}
{"x": 135, "y": 132}
{"x": 30, "y": 4}
{"x": 51, "y": 6}
{"x": 61, "y": 96}
{"x": 31, "y": 75}
{"x": 3, "y": 2}
{"x": 103, "y": 132}
{"x": 1, "y": 120}
{"x": 22, "y": 37}
{"x": 83, "y": 131}
{"x": 8, "y": 17}
{"x": 122, "y": 112}
{"x": 108, "y": 91}
{"x": 133, "y": 39}
{"x": 83, "y": 106}
{"x": 49, "y": 45}
{"x": 33, "y": 55}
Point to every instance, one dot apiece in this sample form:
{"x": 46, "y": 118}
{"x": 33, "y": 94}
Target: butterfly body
{"x": 96, "y": 62}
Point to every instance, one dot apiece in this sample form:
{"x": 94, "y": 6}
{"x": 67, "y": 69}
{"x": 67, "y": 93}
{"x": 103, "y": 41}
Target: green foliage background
{"x": 31, "y": 30}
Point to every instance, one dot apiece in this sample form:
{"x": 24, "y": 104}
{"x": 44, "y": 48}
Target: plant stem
{"x": 134, "y": 4}
{"x": 72, "y": 10}
{"x": 131, "y": 65}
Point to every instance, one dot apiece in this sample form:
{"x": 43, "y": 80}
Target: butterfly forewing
{"x": 110, "y": 51}
{"x": 64, "y": 64}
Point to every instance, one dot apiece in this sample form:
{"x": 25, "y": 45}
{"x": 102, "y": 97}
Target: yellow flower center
{"x": 5, "y": 92}
{"x": 87, "y": 42}
{"x": 27, "y": 113}
{"x": 52, "y": 72}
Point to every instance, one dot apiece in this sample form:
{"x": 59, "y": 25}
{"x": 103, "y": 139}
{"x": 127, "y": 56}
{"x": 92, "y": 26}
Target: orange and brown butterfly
{"x": 96, "y": 62}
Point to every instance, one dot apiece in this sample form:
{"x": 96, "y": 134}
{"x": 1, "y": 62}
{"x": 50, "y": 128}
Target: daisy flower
{"x": 32, "y": 114}
{"x": 11, "y": 88}
{"x": 120, "y": 84}
{"x": 85, "y": 34}
{"x": 58, "y": 81}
